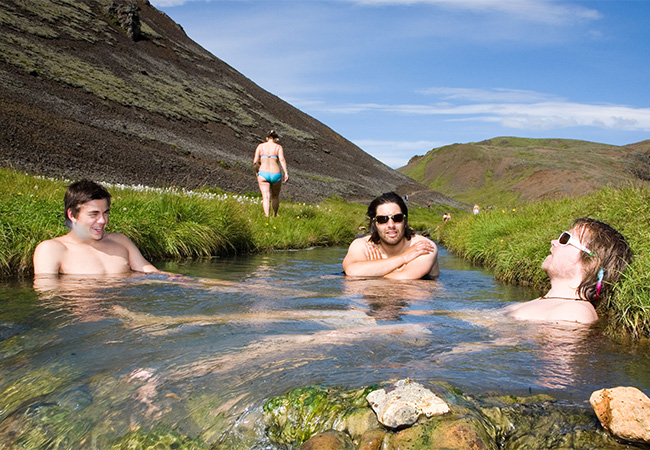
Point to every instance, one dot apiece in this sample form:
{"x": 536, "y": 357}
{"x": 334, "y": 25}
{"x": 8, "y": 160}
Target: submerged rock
{"x": 9, "y": 329}
{"x": 293, "y": 418}
{"x": 624, "y": 412}
{"x": 404, "y": 402}
{"x": 329, "y": 440}
{"x": 459, "y": 432}
{"x": 371, "y": 440}
{"x": 160, "y": 437}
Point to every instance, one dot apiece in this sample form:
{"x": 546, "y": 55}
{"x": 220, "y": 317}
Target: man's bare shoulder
{"x": 541, "y": 310}
{"x": 48, "y": 255}
{"x": 575, "y": 311}
{"x": 361, "y": 240}
{"x": 419, "y": 237}
{"x": 357, "y": 247}
{"x": 54, "y": 244}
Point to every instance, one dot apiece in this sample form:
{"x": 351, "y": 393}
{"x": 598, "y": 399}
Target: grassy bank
{"x": 172, "y": 223}
{"x": 514, "y": 243}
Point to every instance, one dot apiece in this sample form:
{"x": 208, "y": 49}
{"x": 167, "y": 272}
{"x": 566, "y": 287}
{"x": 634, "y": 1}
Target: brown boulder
{"x": 359, "y": 421}
{"x": 624, "y": 412}
{"x": 328, "y": 440}
{"x": 458, "y": 433}
{"x": 371, "y": 440}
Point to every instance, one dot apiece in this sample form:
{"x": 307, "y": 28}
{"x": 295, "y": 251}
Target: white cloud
{"x": 546, "y": 11}
{"x": 489, "y": 95}
{"x": 524, "y": 116}
{"x": 166, "y": 3}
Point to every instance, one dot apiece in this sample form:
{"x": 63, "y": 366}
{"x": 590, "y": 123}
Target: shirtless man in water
{"x": 87, "y": 249}
{"x": 392, "y": 250}
{"x": 583, "y": 265}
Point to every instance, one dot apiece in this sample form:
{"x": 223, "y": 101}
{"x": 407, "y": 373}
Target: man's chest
{"x": 95, "y": 260}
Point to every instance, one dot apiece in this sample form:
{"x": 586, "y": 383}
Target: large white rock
{"x": 403, "y": 402}
{"x": 624, "y": 412}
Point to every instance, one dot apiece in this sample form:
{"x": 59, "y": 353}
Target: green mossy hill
{"x": 514, "y": 242}
{"x": 474, "y": 422}
{"x": 114, "y": 90}
{"x": 509, "y": 171}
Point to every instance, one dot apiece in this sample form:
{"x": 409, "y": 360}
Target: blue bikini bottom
{"x": 271, "y": 177}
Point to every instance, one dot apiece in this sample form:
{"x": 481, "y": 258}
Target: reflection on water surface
{"x": 121, "y": 353}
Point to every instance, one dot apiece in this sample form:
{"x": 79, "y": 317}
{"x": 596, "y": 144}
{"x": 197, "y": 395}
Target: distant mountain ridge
{"x": 116, "y": 91}
{"x": 511, "y": 170}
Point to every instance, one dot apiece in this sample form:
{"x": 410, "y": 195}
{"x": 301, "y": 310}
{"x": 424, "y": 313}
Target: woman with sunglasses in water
{"x": 583, "y": 265}
{"x": 269, "y": 156}
{"x": 392, "y": 250}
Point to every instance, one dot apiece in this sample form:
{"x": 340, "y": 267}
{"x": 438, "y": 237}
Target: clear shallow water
{"x": 132, "y": 352}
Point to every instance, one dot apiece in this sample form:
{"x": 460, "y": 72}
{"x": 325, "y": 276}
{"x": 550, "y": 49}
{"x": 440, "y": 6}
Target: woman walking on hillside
{"x": 269, "y": 156}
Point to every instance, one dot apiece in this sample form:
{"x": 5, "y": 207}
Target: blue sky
{"x": 400, "y": 77}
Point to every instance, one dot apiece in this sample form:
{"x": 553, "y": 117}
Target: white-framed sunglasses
{"x": 566, "y": 239}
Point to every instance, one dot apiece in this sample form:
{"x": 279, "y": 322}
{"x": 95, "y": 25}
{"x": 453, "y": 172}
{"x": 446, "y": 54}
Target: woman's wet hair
{"x": 388, "y": 197}
{"x": 82, "y": 192}
{"x": 272, "y": 135}
{"x": 612, "y": 255}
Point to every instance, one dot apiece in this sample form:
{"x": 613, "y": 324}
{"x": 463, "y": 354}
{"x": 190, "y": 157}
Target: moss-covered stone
{"x": 293, "y": 418}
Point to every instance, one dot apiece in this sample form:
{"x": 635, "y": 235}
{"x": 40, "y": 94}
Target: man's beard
{"x": 391, "y": 241}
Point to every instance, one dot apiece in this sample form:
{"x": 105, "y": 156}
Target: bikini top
{"x": 270, "y": 156}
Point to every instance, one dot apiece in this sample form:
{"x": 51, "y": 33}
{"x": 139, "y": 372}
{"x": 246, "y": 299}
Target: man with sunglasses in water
{"x": 392, "y": 250}
{"x": 583, "y": 265}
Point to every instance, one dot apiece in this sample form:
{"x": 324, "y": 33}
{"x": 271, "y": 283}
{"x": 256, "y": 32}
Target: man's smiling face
{"x": 91, "y": 220}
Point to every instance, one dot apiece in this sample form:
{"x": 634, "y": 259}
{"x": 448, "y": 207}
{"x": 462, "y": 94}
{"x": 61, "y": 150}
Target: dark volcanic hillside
{"x": 116, "y": 91}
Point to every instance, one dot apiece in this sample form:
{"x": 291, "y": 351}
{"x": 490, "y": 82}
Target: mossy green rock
{"x": 293, "y": 418}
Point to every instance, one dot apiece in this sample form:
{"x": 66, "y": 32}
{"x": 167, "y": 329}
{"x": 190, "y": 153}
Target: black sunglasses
{"x": 397, "y": 218}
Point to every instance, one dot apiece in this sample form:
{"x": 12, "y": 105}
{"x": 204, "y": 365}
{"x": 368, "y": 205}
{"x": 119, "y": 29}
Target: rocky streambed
{"x": 315, "y": 418}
